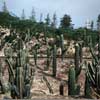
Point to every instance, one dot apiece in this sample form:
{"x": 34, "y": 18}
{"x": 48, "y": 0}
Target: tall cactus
{"x": 2, "y": 90}
{"x": 78, "y": 59}
{"x": 74, "y": 72}
{"x": 54, "y": 61}
{"x": 87, "y": 89}
{"x": 73, "y": 87}
{"x": 71, "y": 81}
{"x": 48, "y": 58}
{"x": 62, "y": 46}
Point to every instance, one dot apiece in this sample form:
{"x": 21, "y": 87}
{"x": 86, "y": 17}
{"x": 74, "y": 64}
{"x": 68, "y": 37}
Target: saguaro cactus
{"x": 54, "y": 60}
{"x": 62, "y": 46}
{"x": 48, "y": 58}
{"x": 71, "y": 81}
{"x": 74, "y": 72}
{"x": 78, "y": 59}
{"x": 73, "y": 87}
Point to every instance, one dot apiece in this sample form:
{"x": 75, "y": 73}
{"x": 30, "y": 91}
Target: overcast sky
{"x": 79, "y": 10}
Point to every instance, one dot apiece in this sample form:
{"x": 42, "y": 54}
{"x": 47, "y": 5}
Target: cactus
{"x": 62, "y": 46}
{"x": 87, "y": 89}
{"x": 99, "y": 46}
{"x": 71, "y": 81}
{"x": 78, "y": 59}
{"x": 20, "y": 74}
{"x": 35, "y": 57}
{"x": 73, "y": 86}
{"x": 98, "y": 79}
{"x": 74, "y": 72}
{"x": 0, "y": 70}
{"x": 54, "y": 61}
{"x": 48, "y": 59}
{"x": 19, "y": 81}
{"x": 2, "y": 89}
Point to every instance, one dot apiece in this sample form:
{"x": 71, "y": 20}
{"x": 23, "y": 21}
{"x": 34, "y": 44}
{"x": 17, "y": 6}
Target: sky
{"x": 79, "y": 10}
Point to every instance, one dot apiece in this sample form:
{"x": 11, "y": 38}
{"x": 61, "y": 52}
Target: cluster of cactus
{"x": 74, "y": 72}
{"x": 93, "y": 71}
{"x": 20, "y": 75}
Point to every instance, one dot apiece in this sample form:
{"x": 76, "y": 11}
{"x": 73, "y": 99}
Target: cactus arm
{"x": 91, "y": 77}
{"x": 79, "y": 71}
{"x": 99, "y": 46}
{"x": 93, "y": 55}
{"x": 98, "y": 78}
{"x": 87, "y": 90}
{"x": 10, "y": 67}
{"x": 91, "y": 69}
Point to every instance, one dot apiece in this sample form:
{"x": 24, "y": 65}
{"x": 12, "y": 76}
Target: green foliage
{"x": 47, "y": 20}
{"x": 65, "y": 22}
{"x": 6, "y": 19}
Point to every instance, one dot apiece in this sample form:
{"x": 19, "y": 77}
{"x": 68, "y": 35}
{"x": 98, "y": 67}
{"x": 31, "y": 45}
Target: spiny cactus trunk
{"x": 73, "y": 87}
{"x": 99, "y": 46}
{"x": 0, "y": 71}
{"x": 71, "y": 81}
{"x": 35, "y": 57}
{"x": 19, "y": 81}
{"x": 62, "y": 46}
{"x": 1, "y": 80}
{"x": 80, "y": 52}
{"x": 98, "y": 79}
{"x": 48, "y": 59}
{"x": 87, "y": 90}
{"x": 54, "y": 61}
{"x": 78, "y": 59}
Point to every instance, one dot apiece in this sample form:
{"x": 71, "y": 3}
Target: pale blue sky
{"x": 79, "y": 10}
